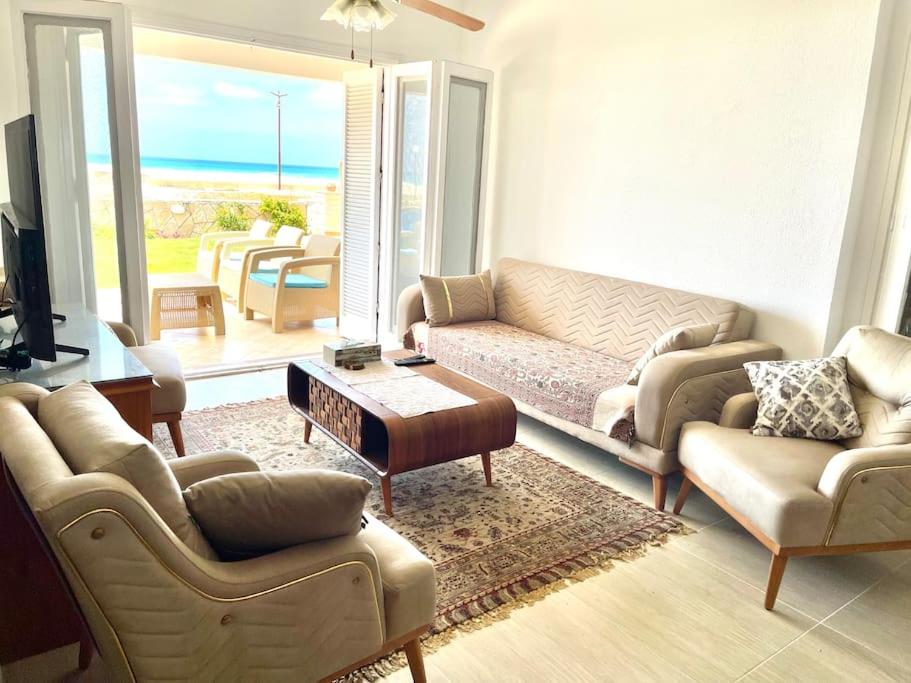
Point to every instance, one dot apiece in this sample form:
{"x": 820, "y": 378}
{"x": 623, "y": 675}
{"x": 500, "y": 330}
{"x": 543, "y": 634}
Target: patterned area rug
{"x": 494, "y": 548}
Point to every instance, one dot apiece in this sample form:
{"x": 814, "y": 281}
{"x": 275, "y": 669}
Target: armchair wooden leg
{"x": 415, "y": 660}
{"x": 776, "y": 571}
{"x": 682, "y": 494}
{"x": 659, "y": 490}
{"x": 177, "y": 436}
{"x": 248, "y": 314}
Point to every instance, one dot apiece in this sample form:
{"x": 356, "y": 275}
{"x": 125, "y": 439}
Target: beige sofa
{"x": 159, "y": 602}
{"x": 807, "y": 497}
{"x": 564, "y": 342}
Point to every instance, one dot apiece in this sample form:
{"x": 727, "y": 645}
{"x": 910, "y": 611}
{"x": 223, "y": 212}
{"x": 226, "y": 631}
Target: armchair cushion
{"x": 807, "y": 399}
{"x": 292, "y": 280}
{"x": 771, "y": 482}
{"x": 91, "y": 436}
{"x": 253, "y": 513}
{"x": 677, "y": 339}
{"x": 461, "y": 299}
{"x": 171, "y": 394}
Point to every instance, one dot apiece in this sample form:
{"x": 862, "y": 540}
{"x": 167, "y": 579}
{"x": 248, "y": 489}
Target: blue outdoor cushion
{"x": 292, "y": 281}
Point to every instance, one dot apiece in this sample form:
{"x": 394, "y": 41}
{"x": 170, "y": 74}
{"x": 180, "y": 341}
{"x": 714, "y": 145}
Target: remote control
{"x": 414, "y": 360}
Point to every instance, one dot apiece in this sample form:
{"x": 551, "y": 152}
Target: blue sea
{"x": 240, "y": 167}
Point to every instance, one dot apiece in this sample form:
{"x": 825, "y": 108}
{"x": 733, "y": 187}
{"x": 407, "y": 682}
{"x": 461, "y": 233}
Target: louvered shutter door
{"x": 360, "y": 203}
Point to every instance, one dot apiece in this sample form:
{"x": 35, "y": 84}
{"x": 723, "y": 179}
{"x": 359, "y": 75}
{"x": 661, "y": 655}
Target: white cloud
{"x": 176, "y": 95}
{"x": 231, "y": 90}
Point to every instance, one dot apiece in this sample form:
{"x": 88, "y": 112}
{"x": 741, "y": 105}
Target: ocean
{"x": 240, "y": 167}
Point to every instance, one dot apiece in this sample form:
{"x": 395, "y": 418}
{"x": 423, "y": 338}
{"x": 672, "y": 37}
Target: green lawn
{"x": 163, "y": 255}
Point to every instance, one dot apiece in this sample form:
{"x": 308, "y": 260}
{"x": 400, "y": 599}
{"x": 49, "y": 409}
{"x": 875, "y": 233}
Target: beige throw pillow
{"x": 458, "y": 299}
{"x": 253, "y": 513}
{"x": 677, "y": 339}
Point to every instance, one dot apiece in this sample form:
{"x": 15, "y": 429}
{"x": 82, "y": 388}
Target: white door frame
{"x": 390, "y": 187}
{"x": 124, "y": 133}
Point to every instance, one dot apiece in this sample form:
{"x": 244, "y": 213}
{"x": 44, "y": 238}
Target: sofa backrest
{"x": 879, "y": 371}
{"x": 620, "y": 318}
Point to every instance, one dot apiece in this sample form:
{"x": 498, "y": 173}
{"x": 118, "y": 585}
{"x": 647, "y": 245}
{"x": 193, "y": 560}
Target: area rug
{"x": 539, "y": 526}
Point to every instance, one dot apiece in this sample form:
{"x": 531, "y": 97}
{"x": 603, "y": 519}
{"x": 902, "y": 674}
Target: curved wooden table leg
{"x": 308, "y": 428}
{"x": 485, "y": 460}
{"x": 386, "y": 482}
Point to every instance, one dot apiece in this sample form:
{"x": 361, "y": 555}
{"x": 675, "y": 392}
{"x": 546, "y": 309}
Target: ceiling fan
{"x": 370, "y": 15}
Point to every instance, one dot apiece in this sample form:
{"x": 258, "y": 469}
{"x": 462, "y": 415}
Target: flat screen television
{"x": 27, "y": 289}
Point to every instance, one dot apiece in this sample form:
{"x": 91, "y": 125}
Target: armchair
{"x": 210, "y": 245}
{"x": 309, "y": 612}
{"x": 169, "y": 397}
{"x": 234, "y": 252}
{"x": 304, "y": 287}
{"x": 801, "y": 497}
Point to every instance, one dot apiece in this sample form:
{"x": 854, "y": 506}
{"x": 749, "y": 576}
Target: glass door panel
{"x": 68, "y": 78}
{"x": 410, "y": 183}
{"x": 462, "y": 176}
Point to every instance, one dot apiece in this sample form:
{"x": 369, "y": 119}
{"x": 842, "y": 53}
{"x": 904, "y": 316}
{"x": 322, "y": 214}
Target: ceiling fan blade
{"x": 445, "y": 13}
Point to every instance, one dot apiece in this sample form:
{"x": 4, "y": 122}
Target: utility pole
{"x": 278, "y": 111}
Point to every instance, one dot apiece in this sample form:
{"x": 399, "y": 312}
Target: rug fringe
{"x": 433, "y": 642}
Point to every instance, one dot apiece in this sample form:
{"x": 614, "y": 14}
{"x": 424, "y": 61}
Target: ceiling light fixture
{"x": 361, "y": 16}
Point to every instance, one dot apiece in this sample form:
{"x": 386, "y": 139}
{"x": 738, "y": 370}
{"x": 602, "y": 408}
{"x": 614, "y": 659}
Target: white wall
{"x": 707, "y": 145}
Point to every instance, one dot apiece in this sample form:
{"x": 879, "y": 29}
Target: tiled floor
{"x": 245, "y": 341}
{"x": 688, "y": 610}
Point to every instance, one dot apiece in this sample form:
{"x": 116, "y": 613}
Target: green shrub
{"x": 280, "y": 212}
{"x": 232, "y": 216}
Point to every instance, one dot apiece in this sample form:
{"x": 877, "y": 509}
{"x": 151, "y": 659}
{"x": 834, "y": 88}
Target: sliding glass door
{"x": 77, "y": 81}
{"x": 437, "y": 118}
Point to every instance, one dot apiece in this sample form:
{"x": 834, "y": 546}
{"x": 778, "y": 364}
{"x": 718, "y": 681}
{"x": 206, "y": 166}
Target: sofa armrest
{"x": 410, "y": 310}
{"x": 195, "y": 468}
{"x": 690, "y": 385}
{"x": 739, "y": 411}
{"x": 871, "y": 492}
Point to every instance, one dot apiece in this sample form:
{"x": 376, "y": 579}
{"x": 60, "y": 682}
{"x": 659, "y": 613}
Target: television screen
{"x": 24, "y": 251}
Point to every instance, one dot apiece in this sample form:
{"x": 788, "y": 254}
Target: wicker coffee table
{"x": 390, "y": 444}
{"x": 185, "y": 300}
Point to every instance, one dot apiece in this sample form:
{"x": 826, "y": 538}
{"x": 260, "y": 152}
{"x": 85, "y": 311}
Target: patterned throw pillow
{"x": 458, "y": 299}
{"x": 807, "y": 399}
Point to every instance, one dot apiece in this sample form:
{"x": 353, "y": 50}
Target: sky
{"x": 191, "y": 110}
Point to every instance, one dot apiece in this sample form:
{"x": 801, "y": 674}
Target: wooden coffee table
{"x": 387, "y": 442}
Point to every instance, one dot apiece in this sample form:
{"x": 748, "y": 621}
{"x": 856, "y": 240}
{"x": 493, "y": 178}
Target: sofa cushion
{"x": 409, "y": 580}
{"x": 92, "y": 437}
{"x": 807, "y": 399}
{"x": 171, "y": 394}
{"x": 461, "y": 299}
{"x": 253, "y": 513}
{"x": 677, "y": 339}
{"x": 557, "y": 378}
{"x": 772, "y": 482}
